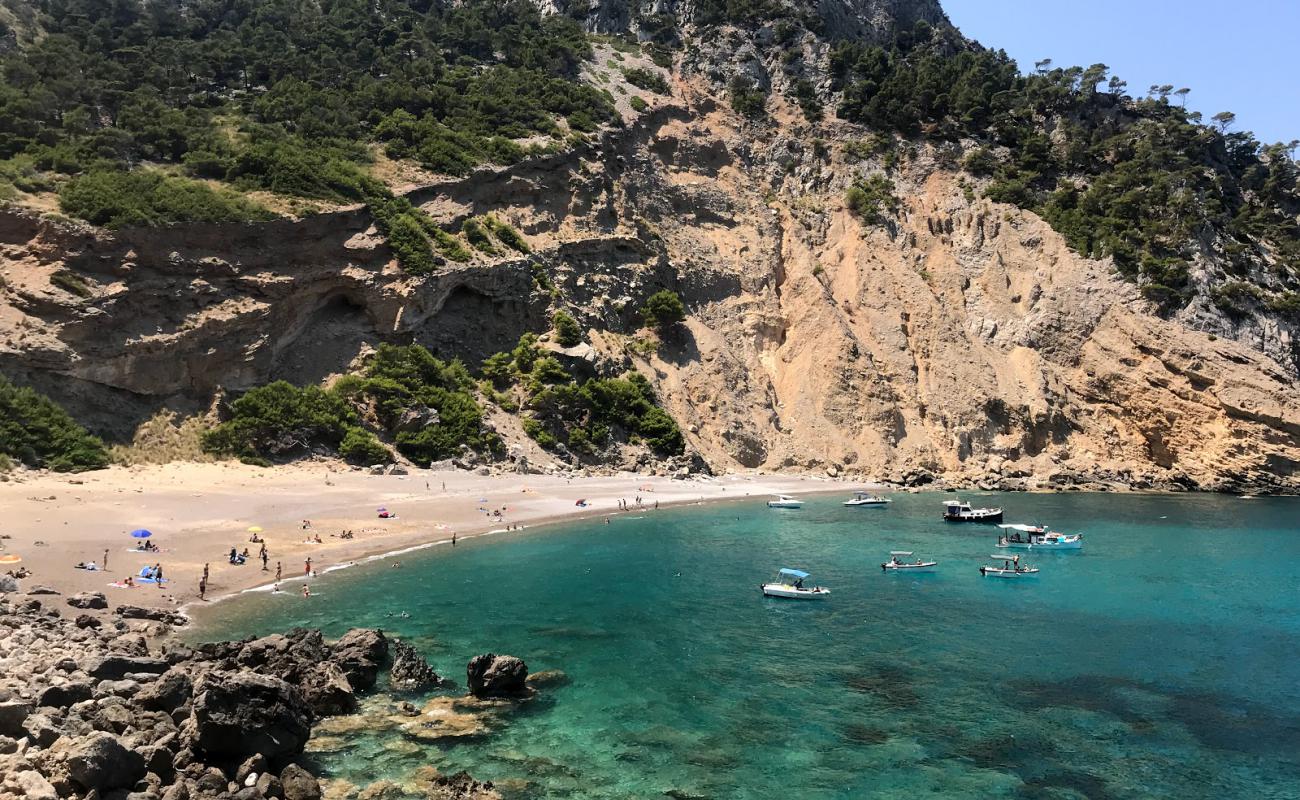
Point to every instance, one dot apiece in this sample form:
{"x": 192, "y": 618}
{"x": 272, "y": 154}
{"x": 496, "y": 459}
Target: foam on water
{"x": 1161, "y": 661}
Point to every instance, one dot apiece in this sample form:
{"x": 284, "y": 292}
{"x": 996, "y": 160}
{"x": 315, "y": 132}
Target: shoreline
{"x": 533, "y": 527}
{"x": 198, "y": 511}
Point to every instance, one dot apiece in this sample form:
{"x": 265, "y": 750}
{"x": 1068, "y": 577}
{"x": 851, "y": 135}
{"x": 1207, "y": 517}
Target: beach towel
{"x": 119, "y": 585}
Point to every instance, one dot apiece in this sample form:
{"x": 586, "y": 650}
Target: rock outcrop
{"x": 491, "y": 675}
{"x": 410, "y": 672}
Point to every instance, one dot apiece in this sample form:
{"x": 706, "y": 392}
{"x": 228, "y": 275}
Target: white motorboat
{"x": 789, "y": 584}
{"x": 1033, "y": 537}
{"x": 1011, "y": 568}
{"x": 957, "y": 511}
{"x": 866, "y": 499}
{"x": 901, "y": 561}
{"x": 785, "y": 501}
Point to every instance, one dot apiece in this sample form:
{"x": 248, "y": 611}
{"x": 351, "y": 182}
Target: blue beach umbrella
{"x": 141, "y": 533}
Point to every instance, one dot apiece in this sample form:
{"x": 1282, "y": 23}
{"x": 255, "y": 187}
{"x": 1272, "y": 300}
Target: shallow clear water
{"x": 1161, "y": 661}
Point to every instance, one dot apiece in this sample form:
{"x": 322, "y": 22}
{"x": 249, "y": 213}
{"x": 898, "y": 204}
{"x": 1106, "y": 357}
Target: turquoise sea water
{"x": 1162, "y": 661}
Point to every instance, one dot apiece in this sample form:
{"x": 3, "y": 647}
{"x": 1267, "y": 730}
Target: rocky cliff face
{"x": 958, "y": 338}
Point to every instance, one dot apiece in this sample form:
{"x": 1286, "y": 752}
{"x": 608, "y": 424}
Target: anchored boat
{"x": 901, "y": 561}
{"x": 1033, "y": 537}
{"x": 789, "y": 584}
{"x": 785, "y": 501}
{"x": 1011, "y": 568}
{"x": 866, "y": 499}
{"x": 957, "y": 511}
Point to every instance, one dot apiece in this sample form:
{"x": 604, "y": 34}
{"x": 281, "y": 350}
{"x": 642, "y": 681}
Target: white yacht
{"x": 785, "y": 501}
{"x": 867, "y": 499}
{"x": 956, "y": 511}
{"x": 789, "y": 584}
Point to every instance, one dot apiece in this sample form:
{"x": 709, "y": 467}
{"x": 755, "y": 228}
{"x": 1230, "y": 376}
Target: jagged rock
{"x": 255, "y": 765}
{"x": 238, "y": 714}
{"x": 269, "y": 786}
{"x": 8, "y": 584}
{"x": 66, "y": 694}
{"x": 31, "y": 785}
{"x": 299, "y": 784}
{"x": 360, "y": 653}
{"x": 115, "y": 667}
{"x": 12, "y": 715}
{"x": 491, "y": 675}
{"x": 327, "y": 690}
{"x": 100, "y": 762}
{"x": 155, "y": 614}
{"x": 87, "y": 621}
{"x": 41, "y": 589}
{"x": 410, "y": 672}
{"x": 168, "y": 692}
{"x": 88, "y": 600}
{"x": 41, "y": 730}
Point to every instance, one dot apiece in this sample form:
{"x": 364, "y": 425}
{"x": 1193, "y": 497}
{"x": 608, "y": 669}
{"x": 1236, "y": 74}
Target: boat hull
{"x": 793, "y": 593}
{"x": 868, "y": 503}
{"x": 995, "y": 516}
{"x": 1010, "y": 574}
{"x": 927, "y": 566}
{"x": 1075, "y": 545}
{"x": 783, "y": 504}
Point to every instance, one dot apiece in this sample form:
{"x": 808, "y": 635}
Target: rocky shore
{"x": 112, "y": 708}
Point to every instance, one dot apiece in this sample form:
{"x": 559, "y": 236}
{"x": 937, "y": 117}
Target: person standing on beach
{"x": 157, "y": 575}
{"x": 265, "y": 558}
{"x": 105, "y": 558}
{"x": 453, "y": 538}
{"x": 307, "y": 567}
{"x": 277, "y": 572}
{"x": 203, "y": 586}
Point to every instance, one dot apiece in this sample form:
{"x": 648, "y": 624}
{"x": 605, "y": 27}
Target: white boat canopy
{"x": 1018, "y": 527}
{"x": 900, "y": 552}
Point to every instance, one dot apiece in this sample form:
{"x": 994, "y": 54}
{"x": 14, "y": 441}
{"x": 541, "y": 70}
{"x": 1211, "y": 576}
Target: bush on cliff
{"x": 281, "y": 419}
{"x": 120, "y": 199}
{"x": 663, "y": 310}
{"x": 38, "y": 432}
{"x": 404, "y": 383}
{"x": 567, "y": 331}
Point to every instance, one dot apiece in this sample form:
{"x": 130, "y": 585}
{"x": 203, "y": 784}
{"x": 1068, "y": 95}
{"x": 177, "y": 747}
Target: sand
{"x": 197, "y": 512}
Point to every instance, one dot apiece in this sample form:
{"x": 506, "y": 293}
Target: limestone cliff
{"x": 960, "y": 339}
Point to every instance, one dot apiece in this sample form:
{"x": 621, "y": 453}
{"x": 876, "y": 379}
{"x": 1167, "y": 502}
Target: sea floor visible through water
{"x": 1161, "y": 661}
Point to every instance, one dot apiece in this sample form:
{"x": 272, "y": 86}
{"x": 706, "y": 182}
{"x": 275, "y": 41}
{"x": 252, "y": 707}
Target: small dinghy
{"x": 866, "y": 499}
{"x": 785, "y": 501}
{"x": 901, "y": 561}
{"x": 957, "y": 511}
{"x": 789, "y": 584}
{"x": 1011, "y": 568}
{"x": 1033, "y": 537}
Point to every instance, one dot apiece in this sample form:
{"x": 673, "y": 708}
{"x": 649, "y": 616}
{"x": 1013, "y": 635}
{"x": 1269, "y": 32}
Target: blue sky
{"x": 1241, "y": 56}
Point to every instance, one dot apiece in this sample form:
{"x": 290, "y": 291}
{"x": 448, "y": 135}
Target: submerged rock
{"x": 491, "y": 675}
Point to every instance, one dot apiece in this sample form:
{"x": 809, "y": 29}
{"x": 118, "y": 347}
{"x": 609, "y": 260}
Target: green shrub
{"x": 663, "y": 310}
{"x": 746, "y": 98}
{"x": 506, "y": 234}
{"x": 71, "y": 282}
{"x": 281, "y": 419}
{"x": 872, "y": 199}
{"x": 980, "y": 162}
{"x": 477, "y": 236}
{"x": 360, "y": 446}
{"x": 645, "y": 79}
{"x": 567, "y": 332}
{"x": 39, "y": 433}
{"x": 638, "y": 105}
{"x": 538, "y": 433}
{"x": 144, "y": 198}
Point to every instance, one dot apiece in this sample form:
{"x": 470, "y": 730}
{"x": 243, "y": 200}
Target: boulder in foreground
{"x": 491, "y": 675}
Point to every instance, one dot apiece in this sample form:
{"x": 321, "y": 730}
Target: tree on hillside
{"x": 1224, "y": 120}
{"x": 663, "y": 310}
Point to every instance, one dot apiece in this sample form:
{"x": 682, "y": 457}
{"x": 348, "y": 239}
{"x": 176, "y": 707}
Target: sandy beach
{"x": 197, "y": 512}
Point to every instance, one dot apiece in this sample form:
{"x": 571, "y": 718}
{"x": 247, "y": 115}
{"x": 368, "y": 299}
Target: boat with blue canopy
{"x": 1037, "y": 537}
{"x": 789, "y": 583}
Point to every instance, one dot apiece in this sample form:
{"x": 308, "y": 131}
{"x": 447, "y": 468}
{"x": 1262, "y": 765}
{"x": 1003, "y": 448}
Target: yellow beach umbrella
{"x": 10, "y": 559}
{"x": 255, "y": 529}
